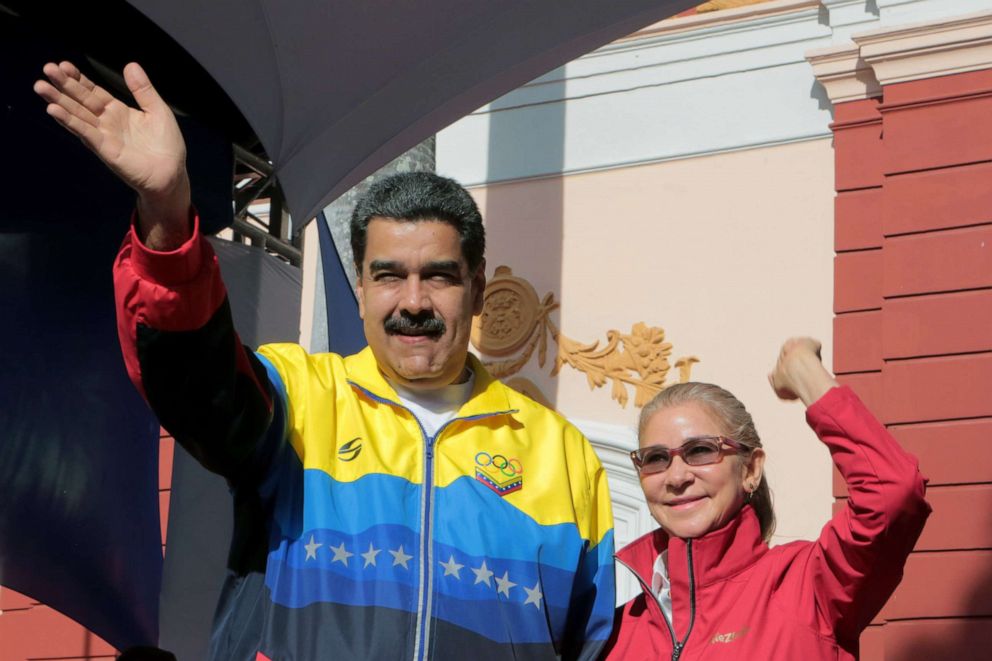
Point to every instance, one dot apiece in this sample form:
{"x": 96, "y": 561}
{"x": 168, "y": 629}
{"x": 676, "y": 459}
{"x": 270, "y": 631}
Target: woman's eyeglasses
{"x": 697, "y": 451}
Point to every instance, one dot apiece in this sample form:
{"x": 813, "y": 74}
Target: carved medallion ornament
{"x": 515, "y": 323}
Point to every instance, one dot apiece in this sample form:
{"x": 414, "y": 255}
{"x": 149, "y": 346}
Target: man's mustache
{"x": 421, "y": 324}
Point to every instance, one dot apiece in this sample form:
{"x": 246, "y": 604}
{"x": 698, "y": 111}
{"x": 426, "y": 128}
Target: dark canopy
{"x": 335, "y": 89}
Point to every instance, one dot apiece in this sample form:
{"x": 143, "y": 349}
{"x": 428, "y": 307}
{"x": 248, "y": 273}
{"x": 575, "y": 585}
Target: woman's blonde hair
{"x": 737, "y": 425}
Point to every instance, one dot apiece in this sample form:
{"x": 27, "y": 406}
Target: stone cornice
{"x": 761, "y": 36}
{"x": 724, "y": 17}
{"x": 848, "y": 16}
{"x": 843, "y": 73}
{"x": 860, "y": 69}
{"x": 671, "y": 83}
{"x": 935, "y": 48}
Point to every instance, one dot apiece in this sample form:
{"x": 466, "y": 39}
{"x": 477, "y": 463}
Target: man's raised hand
{"x": 142, "y": 146}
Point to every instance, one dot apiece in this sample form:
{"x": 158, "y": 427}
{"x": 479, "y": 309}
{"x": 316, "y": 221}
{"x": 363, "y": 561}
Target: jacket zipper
{"x": 677, "y": 650}
{"x": 677, "y": 646}
{"x": 426, "y": 569}
{"x": 427, "y": 535}
{"x": 426, "y": 548}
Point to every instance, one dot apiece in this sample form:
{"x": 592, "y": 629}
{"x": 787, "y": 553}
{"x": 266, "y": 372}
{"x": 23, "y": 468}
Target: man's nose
{"x": 414, "y": 298}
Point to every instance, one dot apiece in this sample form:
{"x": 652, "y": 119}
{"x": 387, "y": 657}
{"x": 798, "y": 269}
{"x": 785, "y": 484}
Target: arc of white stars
{"x": 400, "y": 558}
{"x": 312, "y": 549}
{"x": 534, "y": 595}
{"x": 369, "y": 556}
{"x": 482, "y": 574}
{"x": 340, "y": 554}
{"x": 452, "y": 568}
{"x": 505, "y": 584}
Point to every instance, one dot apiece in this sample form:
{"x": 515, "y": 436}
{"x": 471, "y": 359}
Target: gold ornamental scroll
{"x": 516, "y": 323}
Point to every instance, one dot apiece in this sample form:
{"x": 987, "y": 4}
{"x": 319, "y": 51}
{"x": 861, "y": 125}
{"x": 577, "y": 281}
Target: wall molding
{"x": 926, "y": 50}
{"x": 847, "y": 16}
{"x": 825, "y": 134}
{"x": 723, "y": 18}
{"x": 844, "y": 74}
{"x": 861, "y": 68}
{"x": 710, "y": 84}
{"x": 674, "y": 53}
{"x": 720, "y": 82}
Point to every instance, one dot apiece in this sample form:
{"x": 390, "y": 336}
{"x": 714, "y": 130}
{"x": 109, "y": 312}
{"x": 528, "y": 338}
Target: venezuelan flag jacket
{"x": 357, "y": 535}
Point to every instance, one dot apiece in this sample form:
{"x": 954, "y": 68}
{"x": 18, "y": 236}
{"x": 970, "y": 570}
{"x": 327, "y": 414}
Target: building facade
{"x": 735, "y": 177}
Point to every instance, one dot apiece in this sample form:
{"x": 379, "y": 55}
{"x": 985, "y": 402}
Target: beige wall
{"x": 728, "y": 253}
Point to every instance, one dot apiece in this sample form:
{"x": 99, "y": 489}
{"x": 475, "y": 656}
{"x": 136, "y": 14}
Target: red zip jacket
{"x": 734, "y": 598}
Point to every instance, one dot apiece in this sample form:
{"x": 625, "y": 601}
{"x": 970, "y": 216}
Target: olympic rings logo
{"x": 497, "y": 462}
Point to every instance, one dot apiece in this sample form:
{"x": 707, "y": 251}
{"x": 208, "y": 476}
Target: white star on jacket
{"x": 369, "y": 556}
{"x": 505, "y": 584}
{"x": 340, "y": 554}
{"x": 482, "y": 574}
{"x": 534, "y": 595}
{"x": 451, "y": 568}
{"x": 400, "y": 558}
{"x": 312, "y": 549}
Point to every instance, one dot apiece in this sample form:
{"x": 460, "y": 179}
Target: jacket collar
{"x": 488, "y": 394}
{"x": 716, "y": 556}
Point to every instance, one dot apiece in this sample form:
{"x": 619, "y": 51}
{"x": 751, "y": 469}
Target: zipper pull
{"x": 677, "y": 652}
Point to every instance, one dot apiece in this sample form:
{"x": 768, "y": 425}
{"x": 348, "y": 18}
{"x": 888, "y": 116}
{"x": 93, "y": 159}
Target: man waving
{"x": 398, "y": 503}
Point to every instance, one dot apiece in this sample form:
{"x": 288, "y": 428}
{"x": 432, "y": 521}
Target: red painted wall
{"x": 913, "y": 334}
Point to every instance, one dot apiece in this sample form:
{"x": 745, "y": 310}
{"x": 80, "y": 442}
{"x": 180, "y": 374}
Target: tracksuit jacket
{"x": 734, "y": 598}
{"x": 358, "y": 536}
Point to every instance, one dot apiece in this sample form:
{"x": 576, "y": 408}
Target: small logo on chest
{"x": 729, "y": 637}
{"x": 350, "y": 450}
{"x": 500, "y": 474}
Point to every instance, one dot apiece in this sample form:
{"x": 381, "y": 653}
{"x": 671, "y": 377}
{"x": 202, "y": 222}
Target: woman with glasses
{"x": 712, "y": 588}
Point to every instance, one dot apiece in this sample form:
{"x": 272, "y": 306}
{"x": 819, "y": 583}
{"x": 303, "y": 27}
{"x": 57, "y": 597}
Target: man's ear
{"x": 478, "y": 288}
{"x": 360, "y": 293}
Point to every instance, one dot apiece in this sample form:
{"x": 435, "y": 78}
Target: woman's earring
{"x": 748, "y": 494}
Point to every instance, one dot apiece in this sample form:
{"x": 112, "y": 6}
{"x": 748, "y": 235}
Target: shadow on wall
{"x": 965, "y": 637}
{"x": 524, "y": 213}
{"x": 819, "y": 93}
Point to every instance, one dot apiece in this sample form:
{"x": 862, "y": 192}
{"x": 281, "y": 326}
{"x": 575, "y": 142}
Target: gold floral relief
{"x": 515, "y": 323}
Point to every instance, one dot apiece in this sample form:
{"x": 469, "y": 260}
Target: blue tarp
{"x": 79, "y": 524}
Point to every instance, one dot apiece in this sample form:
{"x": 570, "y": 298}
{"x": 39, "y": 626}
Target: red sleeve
{"x": 184, "y": 356}
{"x": 178, "y": 290}
{"x": 858, "y": 560}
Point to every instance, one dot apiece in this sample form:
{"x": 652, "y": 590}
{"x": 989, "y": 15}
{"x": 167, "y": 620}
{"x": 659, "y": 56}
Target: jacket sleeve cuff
{"x": 829, "y": 402}
{"x": 169, "y": 267}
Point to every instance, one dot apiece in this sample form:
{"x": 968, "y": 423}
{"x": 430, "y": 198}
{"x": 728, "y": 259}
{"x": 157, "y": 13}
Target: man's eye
{"x": 443, "y": 278}
{"x": 386, "y": 277}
